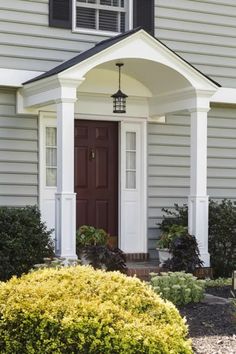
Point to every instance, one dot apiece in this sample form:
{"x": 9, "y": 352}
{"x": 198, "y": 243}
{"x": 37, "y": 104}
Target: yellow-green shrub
{"x": 83, "y": 311}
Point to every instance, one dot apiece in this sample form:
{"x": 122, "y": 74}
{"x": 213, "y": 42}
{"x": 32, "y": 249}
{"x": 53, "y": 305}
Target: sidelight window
{"x": 51, "y": 156}
{"x": 130, "y": 160}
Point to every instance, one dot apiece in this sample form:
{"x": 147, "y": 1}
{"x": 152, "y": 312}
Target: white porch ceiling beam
{"x": 49, "y": 91}
{"x": 179, "y": 101}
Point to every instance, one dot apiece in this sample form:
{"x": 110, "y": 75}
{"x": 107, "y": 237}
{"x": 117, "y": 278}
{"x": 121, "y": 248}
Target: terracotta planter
{"x": 113, "y": 241}
{"x": 164, "y": 255}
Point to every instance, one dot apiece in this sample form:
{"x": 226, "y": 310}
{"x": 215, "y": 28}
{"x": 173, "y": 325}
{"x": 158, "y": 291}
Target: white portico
{"x": 157, "y": 82}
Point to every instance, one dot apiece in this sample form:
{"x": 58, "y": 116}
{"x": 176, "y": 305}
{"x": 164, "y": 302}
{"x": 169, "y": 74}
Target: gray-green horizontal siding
{"x": 169, "y": 163}
{"x": 28, "y": 43}
{"x": 18, "y": 154}
{"x": 203, "y": 33}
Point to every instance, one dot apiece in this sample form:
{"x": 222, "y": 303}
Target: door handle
{"x": 92, "y": 154}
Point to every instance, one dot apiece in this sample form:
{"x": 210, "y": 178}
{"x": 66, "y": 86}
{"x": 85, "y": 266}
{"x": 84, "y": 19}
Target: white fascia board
{"x": 15, "y": 78}
{"x": 224, "y": 95}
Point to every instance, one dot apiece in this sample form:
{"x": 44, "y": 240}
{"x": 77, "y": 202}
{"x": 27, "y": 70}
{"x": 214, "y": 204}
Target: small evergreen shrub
{"x": 178, "y": 287}
{"x": 82, "y": 311}
{"x": 24, "y": 240}
{"x": 222, "y": 237}
{"x": 222, "y": 233}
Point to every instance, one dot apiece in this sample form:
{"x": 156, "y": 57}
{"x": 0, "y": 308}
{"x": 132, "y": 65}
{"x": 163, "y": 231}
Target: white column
{"x": 65, "y": 196}
{"x": 198, "y": 199}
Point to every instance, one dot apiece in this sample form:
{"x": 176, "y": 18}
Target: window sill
{"x": 95, "y": 32}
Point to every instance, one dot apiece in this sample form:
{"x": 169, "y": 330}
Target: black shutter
{"x": 144, "y": 15}
{"x": 60, "y": 13}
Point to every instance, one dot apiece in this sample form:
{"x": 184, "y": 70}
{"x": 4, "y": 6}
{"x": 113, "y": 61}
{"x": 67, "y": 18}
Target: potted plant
{"x": 163, "y": 244}
{"x": 98, "y": 249}
{"x": 88, "y": 236}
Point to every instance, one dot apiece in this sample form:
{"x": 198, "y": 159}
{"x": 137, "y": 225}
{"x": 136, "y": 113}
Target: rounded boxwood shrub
{"x": 24, "y": 240}
{"x": 84, "y": 311}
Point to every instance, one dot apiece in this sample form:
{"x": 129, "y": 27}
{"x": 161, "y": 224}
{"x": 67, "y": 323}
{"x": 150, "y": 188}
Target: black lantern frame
{"x": 119, "y": 98}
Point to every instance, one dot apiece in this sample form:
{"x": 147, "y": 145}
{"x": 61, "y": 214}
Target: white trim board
{"x": 224, "y": 95}
{"x": 15, "y": 78}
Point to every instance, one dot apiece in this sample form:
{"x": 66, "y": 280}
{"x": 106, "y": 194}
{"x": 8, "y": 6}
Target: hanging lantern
{"x": 119, "y": 98}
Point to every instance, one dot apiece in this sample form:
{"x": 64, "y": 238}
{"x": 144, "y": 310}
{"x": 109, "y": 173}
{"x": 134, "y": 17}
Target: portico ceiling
{"x": 156, "y": 77}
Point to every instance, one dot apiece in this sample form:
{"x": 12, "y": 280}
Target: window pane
{"x": 131, "y": 141}
{"x": 109, "y": 2}
{"x": 51, "y": 177}
{"x": 86, "y": 18}
{"x": 108, "y": 20}
{"x": 88, "y": 1}
{"x": 130, "y": 160}
{"x": 130, "y": 179}
{"x": 51, "y": 157}
{"x": 51, "y": 136}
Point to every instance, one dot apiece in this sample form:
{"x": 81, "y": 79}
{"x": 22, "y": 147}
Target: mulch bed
{"x": 222, "y": 291}
{"x": 212, "y": 328}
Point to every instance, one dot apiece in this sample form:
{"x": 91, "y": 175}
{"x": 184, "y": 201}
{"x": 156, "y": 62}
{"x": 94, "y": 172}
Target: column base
{"x": 205, "y": 257}
{"x": 65, "y": 246}
{"x": 198, "y": 224}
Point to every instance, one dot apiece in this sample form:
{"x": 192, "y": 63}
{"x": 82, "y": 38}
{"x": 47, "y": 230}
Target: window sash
{"x": 96, "y": 22}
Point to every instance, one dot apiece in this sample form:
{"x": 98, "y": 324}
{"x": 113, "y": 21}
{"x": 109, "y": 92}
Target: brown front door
{"x": 96, "y": 174}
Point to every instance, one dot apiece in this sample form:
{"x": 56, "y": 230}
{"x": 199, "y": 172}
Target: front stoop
{"x": 142, "y": 270}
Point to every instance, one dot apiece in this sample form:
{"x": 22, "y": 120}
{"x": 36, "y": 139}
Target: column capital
{"x": 199, "y": 110}
{"x": 65, "y": 100}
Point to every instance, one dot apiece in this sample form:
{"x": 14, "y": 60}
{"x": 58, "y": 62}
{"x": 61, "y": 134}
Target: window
{"x": 130, "y": 160}
{"x": 108, "y": 16}
{"x": 102, "y": 15}
{"x": 51, "y": 156}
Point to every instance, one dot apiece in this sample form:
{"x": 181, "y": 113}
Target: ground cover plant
{"x": 178, "y": 287}
{"x": 83, "y": 311}
{"x": 24, "y": 240}
{"x": 222, "y": 233}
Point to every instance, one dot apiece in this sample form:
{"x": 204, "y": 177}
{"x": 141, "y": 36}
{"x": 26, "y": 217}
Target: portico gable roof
{"x": 164, "y": 55}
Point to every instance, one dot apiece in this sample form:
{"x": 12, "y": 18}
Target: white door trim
{"x": 124, "y": 124}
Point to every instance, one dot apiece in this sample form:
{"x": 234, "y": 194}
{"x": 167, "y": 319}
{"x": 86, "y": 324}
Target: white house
{"x": 65, "y": 148}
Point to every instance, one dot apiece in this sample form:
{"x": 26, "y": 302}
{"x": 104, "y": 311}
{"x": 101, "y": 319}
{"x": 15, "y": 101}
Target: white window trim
{"x": 99, "y": 32}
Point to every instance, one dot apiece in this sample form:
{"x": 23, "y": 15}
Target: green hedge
{"x": 24, "y": 240}
{"x": 82, "y": 311}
